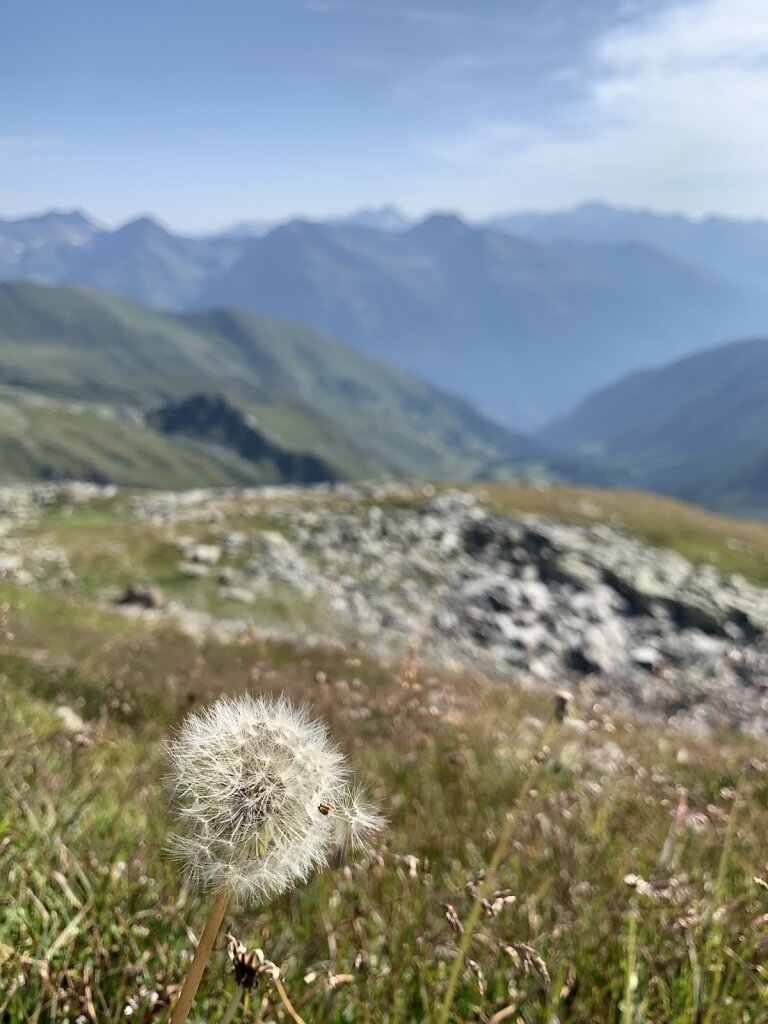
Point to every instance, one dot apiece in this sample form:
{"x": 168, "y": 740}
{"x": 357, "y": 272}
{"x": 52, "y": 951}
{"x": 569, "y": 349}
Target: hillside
{"x": 598, "y": 857}
{"x": 308, "y": 393}
{"x": 51, "y": 439}
{"x": 522, "y": 328}
{"x": 696, "y": 429}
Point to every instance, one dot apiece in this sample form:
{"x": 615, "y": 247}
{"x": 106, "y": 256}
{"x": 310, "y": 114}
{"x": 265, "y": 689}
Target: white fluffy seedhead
{"x": 260, "y": 792}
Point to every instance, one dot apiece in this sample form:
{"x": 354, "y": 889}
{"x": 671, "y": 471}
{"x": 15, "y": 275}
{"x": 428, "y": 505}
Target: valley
{"x": 521, "y": 326}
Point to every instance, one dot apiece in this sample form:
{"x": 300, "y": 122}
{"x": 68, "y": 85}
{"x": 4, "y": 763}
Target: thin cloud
{"x": 672, "y": 115}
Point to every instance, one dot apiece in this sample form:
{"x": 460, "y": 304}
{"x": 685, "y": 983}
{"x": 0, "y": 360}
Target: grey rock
{"x": 602, "y": 648}
{"x": 204, "y": 554}
{"x": 194, "y": 570}
{"x": 144, "y": 595}
{"x": 10, "y": 564}
{"x": 241, "y": 594}
{"x": 647, "y": 657}
{"x": 70, "y": 721}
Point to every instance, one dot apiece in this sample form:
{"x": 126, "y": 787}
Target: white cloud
{"x": 695, "y": 32}
{"x": 673, "y": 117}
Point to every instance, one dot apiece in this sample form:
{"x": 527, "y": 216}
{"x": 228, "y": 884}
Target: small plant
{"x": 262, "y": 797}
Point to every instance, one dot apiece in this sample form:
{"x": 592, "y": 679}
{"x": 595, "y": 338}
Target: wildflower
{"x": 262, "y": 796}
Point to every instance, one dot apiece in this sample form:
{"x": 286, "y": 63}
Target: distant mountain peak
{"x": 301, "y": 230}
{"x": 75, "y": 217}
{"x": 440, "y": 228}
{"x": 142, "y": 227}
{"x": 246, "y": 229}
{"x": 52, "y": 228}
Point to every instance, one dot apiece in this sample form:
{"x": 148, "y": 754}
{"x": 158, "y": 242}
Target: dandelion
{"x": 263, "y": 796}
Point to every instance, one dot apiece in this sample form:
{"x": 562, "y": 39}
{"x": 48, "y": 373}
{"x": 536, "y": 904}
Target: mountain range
{"x": 95, "y": 386}
{"x": 737, "y": 249}
{"x": 522, "y": 327}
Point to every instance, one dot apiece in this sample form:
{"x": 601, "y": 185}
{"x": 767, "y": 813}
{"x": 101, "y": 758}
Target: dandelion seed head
{"x": 249, "y": 776}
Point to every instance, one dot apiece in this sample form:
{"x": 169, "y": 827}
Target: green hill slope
{"x": 696, "y": 429}
{"x": 48, "y": 438}
{"x": 307, "y": 391}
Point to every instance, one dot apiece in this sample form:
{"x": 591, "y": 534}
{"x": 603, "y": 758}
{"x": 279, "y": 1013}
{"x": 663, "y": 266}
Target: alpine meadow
{"x": 384, "y": 512}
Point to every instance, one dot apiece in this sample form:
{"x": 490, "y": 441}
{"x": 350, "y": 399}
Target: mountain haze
{"x": 737, "y": 249}
{"x": 523, "y": 329}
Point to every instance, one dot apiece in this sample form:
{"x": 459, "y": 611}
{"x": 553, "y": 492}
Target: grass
{"x": 93, "y": 919}
{"x": 309, "y": 391}
{"x": 633, "y": 885}
{"x": 40, "y": 437}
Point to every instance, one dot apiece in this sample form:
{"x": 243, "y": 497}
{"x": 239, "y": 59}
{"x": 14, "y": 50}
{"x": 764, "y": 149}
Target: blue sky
{"x": 204, "y": 113}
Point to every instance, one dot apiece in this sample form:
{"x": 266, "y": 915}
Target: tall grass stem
{"x": 485, "y": 885}
{"x": 630, "y": 978}
{"x": 287, "y": 1002}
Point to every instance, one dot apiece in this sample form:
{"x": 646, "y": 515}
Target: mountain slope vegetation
{"x": 306, "y": 392}
{"x": 621, "y": 862}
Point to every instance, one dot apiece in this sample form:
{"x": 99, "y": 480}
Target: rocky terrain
{"x": 395, "y": 568}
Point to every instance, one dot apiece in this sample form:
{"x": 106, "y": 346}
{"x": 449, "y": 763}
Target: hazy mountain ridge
{"x": 727, "y": 246}
{"x": 20, "y": 237}
{"x": 382, "y": 218}
{"x": 523, "y": 328}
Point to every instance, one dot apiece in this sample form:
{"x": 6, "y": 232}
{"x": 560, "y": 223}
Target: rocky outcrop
{"x": 214, "y": 420}
{"x": 542, "y": 601}
{"x": 586, "y": 608}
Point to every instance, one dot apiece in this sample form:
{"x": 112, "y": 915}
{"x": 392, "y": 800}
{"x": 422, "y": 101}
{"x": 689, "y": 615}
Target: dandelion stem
{"x": 202, "y": 953}
{"x": 287, "y": 1002}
